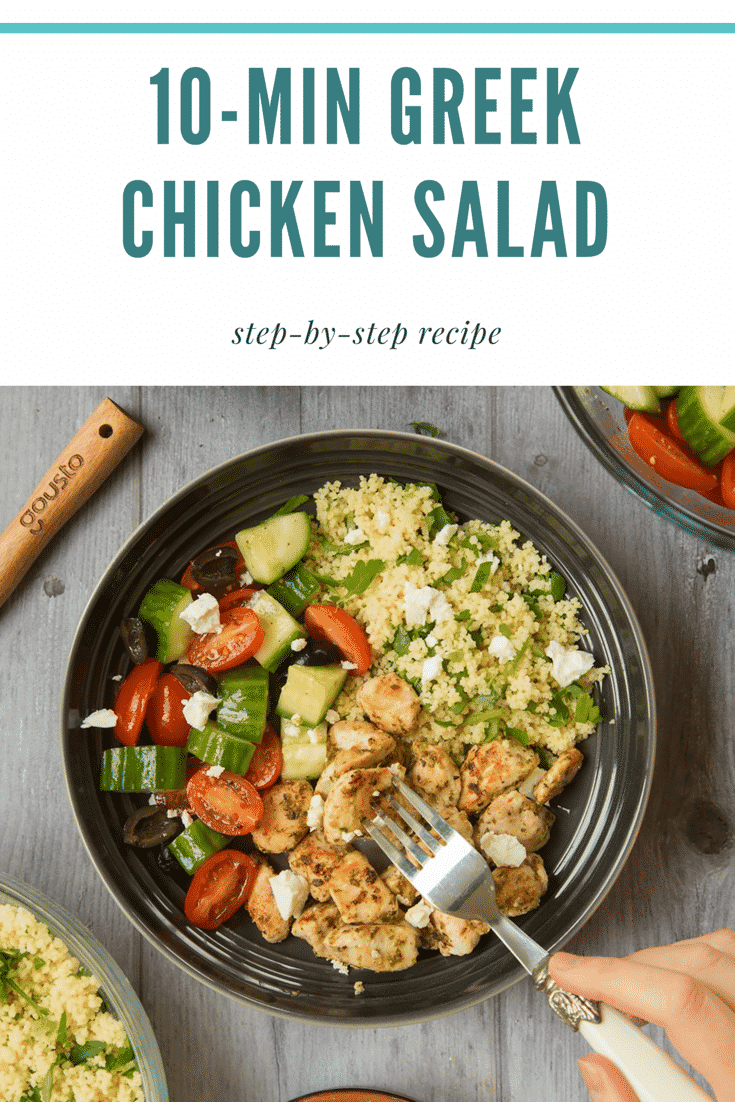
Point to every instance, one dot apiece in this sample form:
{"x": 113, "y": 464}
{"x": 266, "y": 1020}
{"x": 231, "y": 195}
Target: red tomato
{"x": 239, "y": 638}
{"x": 727, "y": 480}
{"x": 267, "y": 761}
{"x": 219, "y": 886}
{"x": 666, "y": 456}
{"x": 237, "y": 597}
{"x": 195, "y": 587}
{"x": 228, "y": 803}
{"x": 132, "y": 700}
{"x": 336, "y": 625}
{"x": 672, "y": 424}
{"x": 165, "y": 712}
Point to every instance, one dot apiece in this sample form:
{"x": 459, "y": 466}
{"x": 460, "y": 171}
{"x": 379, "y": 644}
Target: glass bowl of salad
{"x": 590, "y": 841}
{"x": 114, "y": 988}
{"x": 607, "y": 427}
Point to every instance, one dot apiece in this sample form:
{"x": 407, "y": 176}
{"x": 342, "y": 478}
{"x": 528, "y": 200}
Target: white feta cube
{"x": 315, "y": 814}
{"x": 355, "y": 535}
{"x": 420, "y": 914}
{"x": 290, "y": 892}
{"x": 103, "y": 717}
{"x": 504, "y": 850}
{"x": 431, "y": 668}
{"x": 444, "y": 534}
{"x": 198, "y": 707}
{"x": 568, "y": 663}
{"x": 202, "y": 615}
{"x": 502, "y": 648}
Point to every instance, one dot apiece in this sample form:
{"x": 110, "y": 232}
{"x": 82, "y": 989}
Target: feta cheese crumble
{"x": 315, "y": 814}
{"x": 332, "y": 717}
{"x": 424, "y": 604}
{"x": 202, "y": 615}
{"x": 568, "y": 663}
{"x": 215, "y": 770}
{"x": 419, "y": 914}
{"x": 355, "y": 535}
{"x": 502, "y": 648}
{"x": 298, "y": 644}
{"x": 382, "y": 521}
{"x": 444, "y": 534}
{"x": 290, "y": 891}
{"x": 103, "y": 717}
{"x": 431, "y": 668}
{"x": 503, "y": 850}
{"x": 198, "y": 707}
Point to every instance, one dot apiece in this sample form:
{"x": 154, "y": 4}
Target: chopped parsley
{"x": 425, "y": 428}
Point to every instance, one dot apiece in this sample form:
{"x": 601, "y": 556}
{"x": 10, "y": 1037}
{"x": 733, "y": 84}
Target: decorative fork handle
{"x": 651, "y": 1072}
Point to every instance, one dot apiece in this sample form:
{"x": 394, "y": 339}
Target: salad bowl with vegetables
{"x": 199, "y": 720}
{"x": 673, "y": 447}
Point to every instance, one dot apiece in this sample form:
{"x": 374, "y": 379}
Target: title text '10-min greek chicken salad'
{"x": 303, "y": 667}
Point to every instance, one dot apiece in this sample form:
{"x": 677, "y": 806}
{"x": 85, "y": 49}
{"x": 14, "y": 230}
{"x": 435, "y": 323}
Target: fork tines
{"x": 392, "y": 852}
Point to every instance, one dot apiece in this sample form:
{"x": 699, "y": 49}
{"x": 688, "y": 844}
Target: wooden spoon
{"x": 84, "y": 464}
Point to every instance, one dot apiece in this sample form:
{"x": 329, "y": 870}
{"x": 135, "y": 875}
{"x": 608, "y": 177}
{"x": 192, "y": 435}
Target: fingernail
{"x": 563, "y": 962}
{"x": 592, "y": 1074}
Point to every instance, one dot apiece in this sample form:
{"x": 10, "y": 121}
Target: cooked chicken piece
{"x": 490, "y": 769}
{"x": 512, "y": 813}
{"x": 359, "y": 892}
{"x": 315, "y": 859}
{"x": 261, "y": 904}
{"x": 390, "y": 702}
{"x": 381, "y": 947}
{"x": 452, "y": 936}
{"x": 403, "y": 890}
{"x": 518, "y": 891}
{"x": 434, "y": 775}
{"x": 376, "y": 747}
{"x": 350, "y": 801}
{"x": 315, "y": 923}
{"x": 347, "y": 734}
{"x": 564, "y": 769}
{"x": 284, "y": 822}
{"x": 458, "y": 819}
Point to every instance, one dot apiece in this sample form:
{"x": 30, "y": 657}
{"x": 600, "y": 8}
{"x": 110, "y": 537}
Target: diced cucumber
{"x": 143, "y": 768}
{"x": 279, "y": 627}
{"x": 273, "y": 547}
{"x": 304, "y": 751}
{"x": 217, "y": 747}
{"x": 243, "y": 707}
{"x": 706, "y": 417}
{"x": 161, "y": 608}
{"x": 310, "y": 691}
{"x": 667, "y": 391}
{"x": 296, "y": 589}
{"x": 642, "y": 398}
{"x": 194, "y": 845}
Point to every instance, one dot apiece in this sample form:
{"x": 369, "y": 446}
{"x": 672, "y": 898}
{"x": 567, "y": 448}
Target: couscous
{"x": 58, "y": 1043}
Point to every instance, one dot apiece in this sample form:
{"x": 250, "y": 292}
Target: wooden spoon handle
{"x": 84, "y": 464}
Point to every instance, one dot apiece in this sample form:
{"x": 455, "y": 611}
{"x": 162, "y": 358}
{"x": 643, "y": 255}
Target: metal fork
{"x": 455, "y": 878}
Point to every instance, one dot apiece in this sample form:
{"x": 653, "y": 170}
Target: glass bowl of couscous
{"x": 449, "y": 562}
{"x": 70, "y": 1023}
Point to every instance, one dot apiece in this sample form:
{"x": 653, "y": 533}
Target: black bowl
{"x": 605, "y": 803}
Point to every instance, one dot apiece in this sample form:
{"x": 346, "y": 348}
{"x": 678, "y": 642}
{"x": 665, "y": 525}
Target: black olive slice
{"x": 194, "y": 678}
{"x": 134, "y": 638}
{"x": 149, "y": 826}
{"x": 322, "y": 653}
{"x": 214, "y": 569}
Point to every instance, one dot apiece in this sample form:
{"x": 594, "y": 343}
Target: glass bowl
{"x": 599, "y": 420}
{"x": 114, "y": 988}
{"x": 589, "y": 844}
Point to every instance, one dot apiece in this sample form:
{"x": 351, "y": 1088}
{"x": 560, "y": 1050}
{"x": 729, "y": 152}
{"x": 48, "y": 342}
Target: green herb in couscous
{"x": 57, "y": 1041}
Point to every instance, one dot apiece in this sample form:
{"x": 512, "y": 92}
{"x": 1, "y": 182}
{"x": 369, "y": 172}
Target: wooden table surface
{"x": 508, "y": 1048}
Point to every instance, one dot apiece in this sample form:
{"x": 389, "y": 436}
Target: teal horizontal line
{"x": 367, "y": 28}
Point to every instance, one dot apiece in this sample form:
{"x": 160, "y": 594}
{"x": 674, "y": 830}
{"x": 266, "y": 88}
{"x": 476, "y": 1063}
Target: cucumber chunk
{"x": 273, "y": 547}
{"x": 243, "y": 707}
{"x": 667, "y": 391}
{"x": 161, "y": 608}
{"x": 217, "y": 747}
{"x": 296, "y": 589}
{"x": 195, "y": 844}
{"x": 707, "y": 419}
{"x": 143, "y": 768}
{"x": 642, "y": 398}
{"x": 279, "y": 628}
{"x": 310, "y": 691}
{"x": 304, "y": 751}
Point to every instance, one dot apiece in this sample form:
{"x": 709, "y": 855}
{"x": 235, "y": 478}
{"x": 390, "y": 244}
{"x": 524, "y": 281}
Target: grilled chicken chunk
{"x": 452, "y": 936}
{"x": 360, "y": 894}
{"x": 434, "y": 775}
{"x": 350, "y": 801}
{"x": 380, "y": 947}
{"x": 403, "y": 890}
{"x": 512, "y": 813}
{"x": 390, "y": 702}
{"x": 374, "y": 749}
{"x": 315, "y": 859}
{"x": 284, "y": 821}
{"x": 564, "y": 769}
{"x": 315, "y": 923}
{"x": 261, "y": 904}
{"x": 519, "y": 890}
{"x": 490, "y": 769}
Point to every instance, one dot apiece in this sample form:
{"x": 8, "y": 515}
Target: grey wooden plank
{"x": 669, "y": 888}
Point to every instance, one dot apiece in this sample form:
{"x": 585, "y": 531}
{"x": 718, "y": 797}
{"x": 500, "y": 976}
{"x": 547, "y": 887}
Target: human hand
{"x": 688, "y": 988}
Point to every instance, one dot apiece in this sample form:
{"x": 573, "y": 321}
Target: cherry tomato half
{"x": 336, "y": 625}
{"x": 132, "y": 700}
{"x": 165, "y": 712}
{"x": 237, "y": 597}
{"x": 228, "y": 803}
{"x": 727, "y": 480}
{"x": 219, "y": 886}
{"x": 672, "y": 424}
{"x": 238, "y": 639}
{"x": 668, "y": 458}
{"x": 267, "y": 761}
